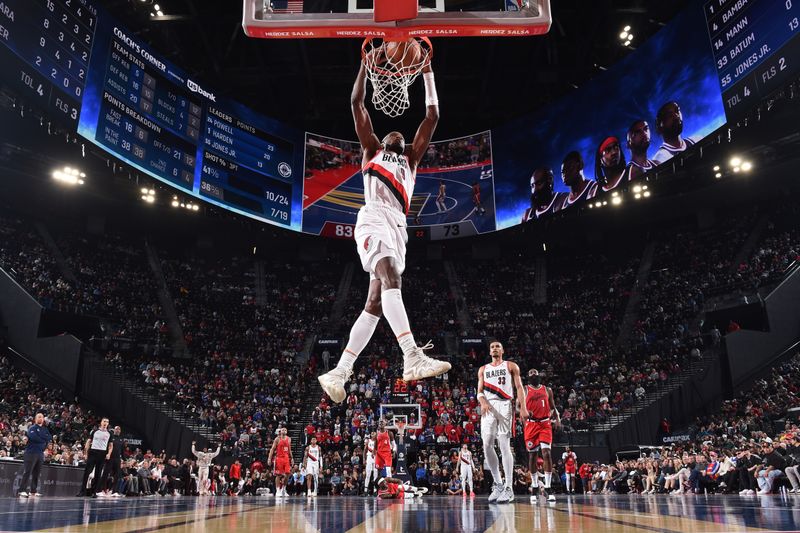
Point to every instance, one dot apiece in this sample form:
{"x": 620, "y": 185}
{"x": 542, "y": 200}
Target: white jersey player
{"x": 496, "y": 384}
{"x": 466, "y": 468}
{"x": 371, "y": 473}
{"x": 312, "y": 464}
{"x": 389, "y": 169}
{"x": 669, "y": 124}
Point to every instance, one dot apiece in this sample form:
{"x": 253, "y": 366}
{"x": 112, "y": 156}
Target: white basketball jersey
{"x": 388, "y": 180}
{"x": 313, "y": 456}
{"x": 497, "y": 382}
{"x": 370, "y": 450}
{"x": 466, "y": 458}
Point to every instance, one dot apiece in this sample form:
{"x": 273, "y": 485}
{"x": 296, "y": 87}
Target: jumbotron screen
{"x": 78, "y": 64}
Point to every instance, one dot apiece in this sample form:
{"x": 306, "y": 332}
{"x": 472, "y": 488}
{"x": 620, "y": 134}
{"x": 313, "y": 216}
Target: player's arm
{"x": 523, "y": 410}
{"x": 554, "y": 414}
{"x": 272, "y": 450}
{"x": 425, "y": 131}
{"x": 481, "y": 398}
{"x": 291, "y": 456}
{"x": 305, "y": 458}
{"x": 366, "y": 134}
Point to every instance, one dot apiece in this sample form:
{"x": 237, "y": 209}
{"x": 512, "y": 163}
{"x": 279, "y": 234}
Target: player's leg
{"x": 360, "y": 334}
{"x": 533, "y": 467}
{"x": 488, "y": 435}
{"x": 417, "y": 365}
{"x": 309, "y": 480}
{"x": 504, "y": 440}
{"x": 547, "y": 464}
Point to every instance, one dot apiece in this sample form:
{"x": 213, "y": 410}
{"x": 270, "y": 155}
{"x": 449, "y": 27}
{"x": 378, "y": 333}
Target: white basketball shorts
{"x": 381, "y": 232}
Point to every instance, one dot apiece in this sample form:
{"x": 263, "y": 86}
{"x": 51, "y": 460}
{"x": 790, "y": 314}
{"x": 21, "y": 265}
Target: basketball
{"x": 404, "y": 54}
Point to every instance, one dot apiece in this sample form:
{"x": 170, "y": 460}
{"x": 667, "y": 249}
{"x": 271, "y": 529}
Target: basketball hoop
{"x": 391, "y": 79}
{"x": 401, "y": 428}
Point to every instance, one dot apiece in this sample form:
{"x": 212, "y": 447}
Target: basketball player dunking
{"x": 282, "y": 452}
{"x": 539, "y": 431}
{"x": 496, "y": 384}
{"x": 389, "y": 169}
{"x": 369, "y": 462}
{"x": 312, "y": 464}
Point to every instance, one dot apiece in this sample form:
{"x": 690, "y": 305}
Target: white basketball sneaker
{"x": 333, "y": 383}
{"x": 417, "y": 365}
{"x": 507, "y": 496}
{"x": 497, "y": 490}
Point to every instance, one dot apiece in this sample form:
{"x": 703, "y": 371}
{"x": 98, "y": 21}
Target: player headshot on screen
{"x": 609, "y": 167}
{"x": 638, "y": 143}
{"x": 543, "y": 199}
{"x": 579, "y": 187}
{"x": 669, "y": 124}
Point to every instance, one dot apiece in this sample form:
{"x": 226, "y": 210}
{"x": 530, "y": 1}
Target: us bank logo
{"x": 195, "y": 88}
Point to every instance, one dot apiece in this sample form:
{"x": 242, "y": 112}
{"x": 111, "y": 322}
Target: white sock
{"x": 508, "y": 458}
{"x": 548, "y": 476}
{"x": 395, "y": 312}
{"x": 567, "y": 482}
{"x": 535, "y": 480}
{"x": 360, "y": 334}
{"x": 492, "y": 461}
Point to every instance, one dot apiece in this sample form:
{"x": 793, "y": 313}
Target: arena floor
{"x": 451, "y": 514}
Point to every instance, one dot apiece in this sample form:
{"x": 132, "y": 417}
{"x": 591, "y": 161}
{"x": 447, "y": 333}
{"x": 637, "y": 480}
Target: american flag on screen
{"x": 287, "y": 6}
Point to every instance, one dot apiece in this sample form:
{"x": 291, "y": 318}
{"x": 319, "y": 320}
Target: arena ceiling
{"x": 481, "y": 81}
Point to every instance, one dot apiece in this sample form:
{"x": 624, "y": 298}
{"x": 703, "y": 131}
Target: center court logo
{"x": 195, "y": 88}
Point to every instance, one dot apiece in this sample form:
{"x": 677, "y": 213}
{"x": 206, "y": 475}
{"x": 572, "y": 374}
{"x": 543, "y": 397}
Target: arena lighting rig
{"x": 69, "y": 176}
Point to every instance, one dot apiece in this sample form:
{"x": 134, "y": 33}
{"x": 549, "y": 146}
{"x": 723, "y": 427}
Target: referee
{"x": 114, "y": 464}
{"x": 98, "y": 451}
{"x": 38, "y": 439}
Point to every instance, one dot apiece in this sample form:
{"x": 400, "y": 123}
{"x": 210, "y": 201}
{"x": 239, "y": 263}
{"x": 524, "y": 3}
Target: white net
{"x": 391, "y": 79}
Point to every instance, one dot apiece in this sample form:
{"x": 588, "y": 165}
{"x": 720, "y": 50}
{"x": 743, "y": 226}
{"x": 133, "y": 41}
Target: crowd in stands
{"x": 752, "y": 446}
{"x": 244, "y": 381}
{"x": 24, "y": 256}
{"x": 21, "y": 397}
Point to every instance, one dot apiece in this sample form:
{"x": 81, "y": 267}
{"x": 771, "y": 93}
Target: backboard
{"x": 410, "y": 413}
{"x": 309, "y": 19}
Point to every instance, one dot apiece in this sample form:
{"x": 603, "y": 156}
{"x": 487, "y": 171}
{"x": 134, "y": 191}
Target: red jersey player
{"x": 539, "y": 431}
{"x": 570, "y": 467}
{"x": 384, "y": 448}
{"x": 282, "y": 452}
{"x": 390, "y": 488}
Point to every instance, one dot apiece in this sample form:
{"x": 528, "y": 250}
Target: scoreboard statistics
{"x": 157, "y": 118}
{"x": 756, "y": 48}
{"x": 47, "y": 46}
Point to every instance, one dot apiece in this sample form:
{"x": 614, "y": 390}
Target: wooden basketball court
{"x": 657, "y": 513}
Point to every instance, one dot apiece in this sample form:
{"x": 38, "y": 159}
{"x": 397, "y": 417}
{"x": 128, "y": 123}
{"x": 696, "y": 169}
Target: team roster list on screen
{"x": 154, "y": 116}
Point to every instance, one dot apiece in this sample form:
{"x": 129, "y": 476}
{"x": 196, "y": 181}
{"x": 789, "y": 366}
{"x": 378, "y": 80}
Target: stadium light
{"x": 736, "y": 161}
{"x": 716, "y": 168}
{"x": 637, "y": 188}
{"x": 616, "y": 200}
{"x": 69, "y": 176}
{"x": 646, "y": 194}
{"x": 747, "y": 166}
{"x": 637, "y": 196}
{"x": 718, "y": 175}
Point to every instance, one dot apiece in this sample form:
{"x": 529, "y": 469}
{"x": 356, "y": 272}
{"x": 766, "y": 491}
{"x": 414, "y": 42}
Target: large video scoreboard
{"x": 48, "y": 46}
{"x": 756, "y": 48}
{"x": 73, "y": 61}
